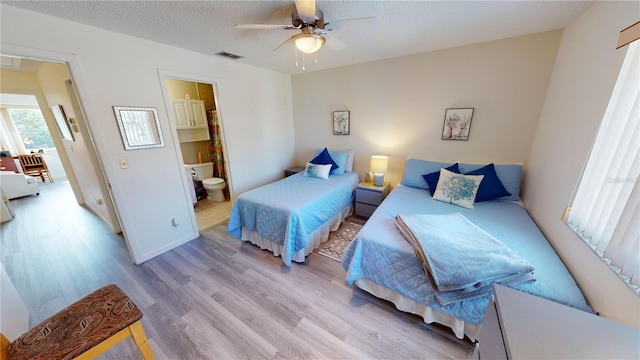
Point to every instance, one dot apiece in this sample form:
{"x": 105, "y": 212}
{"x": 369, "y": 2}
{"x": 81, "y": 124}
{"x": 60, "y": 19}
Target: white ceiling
{"x": 401, "y": 27}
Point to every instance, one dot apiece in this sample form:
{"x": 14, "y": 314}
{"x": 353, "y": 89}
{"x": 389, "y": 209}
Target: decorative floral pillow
{"x": 457, "y": 189}
{"x": 319, "y": 171}
{"x": 432, "y": 178}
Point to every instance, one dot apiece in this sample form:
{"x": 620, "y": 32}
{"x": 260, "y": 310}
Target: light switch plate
{"x": 124, "y": 163}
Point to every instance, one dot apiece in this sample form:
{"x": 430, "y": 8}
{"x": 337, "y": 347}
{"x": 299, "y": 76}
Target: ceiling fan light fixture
{"x": 308, "y": 43}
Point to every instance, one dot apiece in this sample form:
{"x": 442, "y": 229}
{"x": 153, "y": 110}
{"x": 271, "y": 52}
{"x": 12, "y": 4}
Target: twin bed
{"x": 291, "y": 217}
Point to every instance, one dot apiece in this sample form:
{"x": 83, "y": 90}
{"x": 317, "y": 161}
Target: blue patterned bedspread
{"x": 381, "y": 254}
{"x": 287, "y": 211}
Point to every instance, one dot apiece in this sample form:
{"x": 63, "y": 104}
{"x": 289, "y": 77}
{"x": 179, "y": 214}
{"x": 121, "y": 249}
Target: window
{"x": 32, "y": 128}
{"x": 606, "y": 205}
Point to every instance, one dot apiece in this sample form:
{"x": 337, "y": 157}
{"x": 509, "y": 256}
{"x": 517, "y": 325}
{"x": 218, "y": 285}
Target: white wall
{"x": 111, "y": 69}
{"x": 583, "y": 78}
{"x": 397, "y": 105}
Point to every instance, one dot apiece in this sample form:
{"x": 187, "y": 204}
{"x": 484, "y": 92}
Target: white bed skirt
{"x": 317, "y": 237}
{"x": 403, "y": 303}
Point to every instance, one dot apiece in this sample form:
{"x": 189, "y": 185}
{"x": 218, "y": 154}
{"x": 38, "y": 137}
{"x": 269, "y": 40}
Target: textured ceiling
{"x": 401, "y": 27}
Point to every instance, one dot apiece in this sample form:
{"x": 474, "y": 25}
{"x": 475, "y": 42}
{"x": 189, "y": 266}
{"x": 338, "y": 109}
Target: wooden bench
{"x": 83, "y": 330}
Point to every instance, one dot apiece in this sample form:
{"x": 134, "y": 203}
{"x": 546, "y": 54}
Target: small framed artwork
{"x": 341, "y": 122}
{"x": 457, "y": 124}
{"x": 61, "y": 121}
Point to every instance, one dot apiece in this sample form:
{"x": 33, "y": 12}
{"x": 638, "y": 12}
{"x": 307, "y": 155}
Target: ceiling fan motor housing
{"x": 318, "y": 22}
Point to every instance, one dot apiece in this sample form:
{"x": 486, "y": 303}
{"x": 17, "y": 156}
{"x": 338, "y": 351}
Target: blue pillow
{"x": 491, "y": 187}
{"x": 432, "y": 178}
{"x": 509, "y": 175}
{"x": 414, "y": 168}
{"x": 341, "y": 159}
{"x": 344, "y": 159}
{"x": 324, "y": 159}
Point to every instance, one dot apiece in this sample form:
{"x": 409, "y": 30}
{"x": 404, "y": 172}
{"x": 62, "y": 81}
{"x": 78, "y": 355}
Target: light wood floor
{"x": 213, "y": 298}
{"x": 210, "y": 213}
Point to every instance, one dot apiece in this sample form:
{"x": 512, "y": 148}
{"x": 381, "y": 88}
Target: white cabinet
{"x": 190, "y": 114}
{"x": 522, "y": 326}
{"x": 191, "y": 120}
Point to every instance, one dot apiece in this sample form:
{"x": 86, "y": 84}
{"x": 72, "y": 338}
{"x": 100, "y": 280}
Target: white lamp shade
{"x": 308, "y": 43}
{"x": 379, "y": 164}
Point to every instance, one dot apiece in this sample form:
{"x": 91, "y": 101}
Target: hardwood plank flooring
{"x": 211, "y": 213}
{"x": 213, "y": 298}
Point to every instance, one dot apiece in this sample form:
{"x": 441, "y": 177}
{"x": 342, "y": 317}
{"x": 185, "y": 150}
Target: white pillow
{"x": 352, "y": 155}
{"x": 457, "y": 189}
{"x": 319, "y": 171}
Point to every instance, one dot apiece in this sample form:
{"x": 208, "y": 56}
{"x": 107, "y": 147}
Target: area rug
{"x": 338, "y": 241}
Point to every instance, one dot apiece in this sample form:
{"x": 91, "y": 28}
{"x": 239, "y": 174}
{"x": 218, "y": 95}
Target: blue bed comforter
{"x": 287, "y": 211}
{"x": 381, "y": 254}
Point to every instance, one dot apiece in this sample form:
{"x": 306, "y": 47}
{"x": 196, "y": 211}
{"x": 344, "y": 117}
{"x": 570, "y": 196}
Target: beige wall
{"x": 583, "y": 78}
{"x": 397, "y": 106}
{"x": 179, "y": 88}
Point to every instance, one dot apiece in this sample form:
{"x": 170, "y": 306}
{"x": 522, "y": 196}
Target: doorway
{"x": 196, "y": 118}
{"x": 51, "y": 85}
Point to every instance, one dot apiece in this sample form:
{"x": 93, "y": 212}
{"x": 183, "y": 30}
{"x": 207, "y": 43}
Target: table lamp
{"x": 378, "y": 168}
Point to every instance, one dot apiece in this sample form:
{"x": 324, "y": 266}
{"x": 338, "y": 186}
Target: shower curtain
{"x": 217, "y": 157}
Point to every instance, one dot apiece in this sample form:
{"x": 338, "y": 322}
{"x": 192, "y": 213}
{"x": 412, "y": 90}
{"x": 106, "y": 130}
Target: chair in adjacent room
{"x": 34, "y": 164}
{"x": 83, "y": 330}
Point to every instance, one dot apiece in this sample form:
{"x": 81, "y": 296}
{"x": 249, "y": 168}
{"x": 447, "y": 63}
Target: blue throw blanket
{"x": 459, "y": 259}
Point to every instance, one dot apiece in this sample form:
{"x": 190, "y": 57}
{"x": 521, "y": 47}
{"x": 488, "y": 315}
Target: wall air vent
{"x": 229, "y": 55}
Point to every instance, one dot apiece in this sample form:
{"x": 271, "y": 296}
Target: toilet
{"x": 213, "y": 185}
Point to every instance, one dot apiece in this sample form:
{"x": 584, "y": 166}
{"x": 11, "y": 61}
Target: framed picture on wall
{"x": 341, "y": 122}
{"x": 61, "y": 121}
{"x": 457, "y": 124}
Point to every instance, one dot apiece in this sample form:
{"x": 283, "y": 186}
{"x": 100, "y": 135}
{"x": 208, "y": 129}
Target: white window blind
{"x": 605, "y": 210}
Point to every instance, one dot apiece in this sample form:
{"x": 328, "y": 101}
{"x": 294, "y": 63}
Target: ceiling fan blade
{"x": 263, "y": 26}
{"x": 352, "y": 23}
{"x": 284, "y": 42}
{"x": 306, "y": 10}
{"x": 333, "y": 42}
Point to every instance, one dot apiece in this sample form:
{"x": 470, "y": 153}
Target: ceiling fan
{"x": 310, "y": 21}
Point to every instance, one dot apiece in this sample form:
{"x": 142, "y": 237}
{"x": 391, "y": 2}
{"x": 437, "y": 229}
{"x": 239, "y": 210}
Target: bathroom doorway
{"x": 195, "y": 111}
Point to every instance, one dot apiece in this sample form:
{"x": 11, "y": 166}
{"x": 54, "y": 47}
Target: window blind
{"x": 605, "y": 209}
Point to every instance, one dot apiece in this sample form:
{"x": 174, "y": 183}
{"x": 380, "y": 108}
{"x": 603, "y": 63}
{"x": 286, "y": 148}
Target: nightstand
{"x": 369, "y": 196}
{"x": 293, "y": 170}
{"x": 522, "y": 326}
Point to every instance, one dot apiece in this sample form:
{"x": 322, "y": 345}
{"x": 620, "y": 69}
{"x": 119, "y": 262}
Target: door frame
{"x": 216, "y": 83}
{"x": 77, "y": 80}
